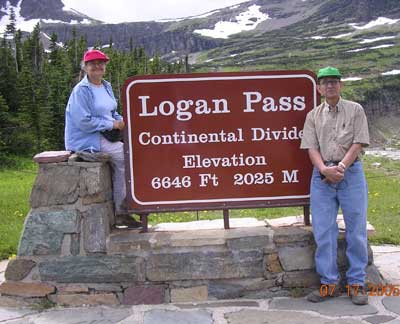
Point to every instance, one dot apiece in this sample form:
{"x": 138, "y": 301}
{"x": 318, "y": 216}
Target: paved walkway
{"x": 381, "y": 309}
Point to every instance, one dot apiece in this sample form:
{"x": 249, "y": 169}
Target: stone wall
{"x": 69, "y": 253}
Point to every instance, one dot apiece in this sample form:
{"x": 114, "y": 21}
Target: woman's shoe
{"x": 126, "y": 221}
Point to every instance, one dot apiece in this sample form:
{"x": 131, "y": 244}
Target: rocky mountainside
{"x": 42, "y": 9}
{"x": 361, "y": 37}
{"x": 153, "y": 36}
{"x": 185, "y": 36}
{"x": 215, "y": 29}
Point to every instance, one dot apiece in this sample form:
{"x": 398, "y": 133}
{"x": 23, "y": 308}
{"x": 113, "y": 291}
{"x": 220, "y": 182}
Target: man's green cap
{"x": 328, "y": 72}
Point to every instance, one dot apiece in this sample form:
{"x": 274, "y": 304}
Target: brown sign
{"x": 217, "y": 140}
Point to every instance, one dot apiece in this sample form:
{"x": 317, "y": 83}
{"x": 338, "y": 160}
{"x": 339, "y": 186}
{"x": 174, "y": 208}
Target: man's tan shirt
{"x": 332, "y": 130}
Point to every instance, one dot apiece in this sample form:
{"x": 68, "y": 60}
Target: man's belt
{"x": 332, "y": 163}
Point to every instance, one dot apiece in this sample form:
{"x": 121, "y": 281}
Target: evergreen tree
{"x": 116, "y": 71}
{"x": 142, "y": 61}
{"x": 130, "y": 45}
{"x": 8, "y": 76}
{"x": 33, "y": 114}
{"x": 6, "y": 131}
{"x": 132, "y": 62}
{"x": 75, "y": 49}
{"x": 14, "y": 38}
{"x": 155, "y": 64}
{"x": 58, "y": 75}
{"x": 11, "y": 26}
{"x": 18, "y": 50}
{"x": 35, "y": 50}
{"x": 34, "y": 86}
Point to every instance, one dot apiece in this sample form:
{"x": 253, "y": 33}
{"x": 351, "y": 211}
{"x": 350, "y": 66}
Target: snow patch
{"x": 336, "y": 37}
{"x": 377, "y": 22}
{"x": 76, "y": 22}
{"x": 66, "y": 8}
{"x": 28, "y": 25}
{"x": 367, "y": 48}
{"x": 341, "y": 35}
{"x": 393, "y": 72}
{"x": 382, "y": 46}
{"x": 357, "y": 50}
{"x": 86, "y": 21}
{"x": 371, "y": 40}
{"x": 4, "y": 10}
{"x": 60, "y": 44}
{"x": 247, "y": 20}
{"x": 51, "y": 21}
{"x": 351, "y": 79}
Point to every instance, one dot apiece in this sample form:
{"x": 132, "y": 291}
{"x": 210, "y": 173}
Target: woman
{"x": 91, "y": 110}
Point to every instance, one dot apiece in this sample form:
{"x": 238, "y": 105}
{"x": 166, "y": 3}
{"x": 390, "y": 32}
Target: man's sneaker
{"x": 324, "y": 292}
{"x": 126, "y": 221}
{"x": 358, "y": 294}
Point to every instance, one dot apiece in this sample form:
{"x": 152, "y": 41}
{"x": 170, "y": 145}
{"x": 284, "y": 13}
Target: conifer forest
{"x": 35, "y": 84}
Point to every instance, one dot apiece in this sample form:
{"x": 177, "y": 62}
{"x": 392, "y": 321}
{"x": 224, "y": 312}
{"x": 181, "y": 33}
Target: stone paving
{"x": 383, "y": 258}
{"x": 381, "y": 309}
{"x": 3, "y": 266}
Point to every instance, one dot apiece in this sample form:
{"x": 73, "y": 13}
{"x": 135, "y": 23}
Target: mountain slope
{"x": 41, "y": 9}
{"x": 315, "y": 40}
{"x": 187, "y": 36}
{"x": 361, "y": 37}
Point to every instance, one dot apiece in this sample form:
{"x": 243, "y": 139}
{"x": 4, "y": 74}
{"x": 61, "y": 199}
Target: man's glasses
{"x": 334, "y": 82}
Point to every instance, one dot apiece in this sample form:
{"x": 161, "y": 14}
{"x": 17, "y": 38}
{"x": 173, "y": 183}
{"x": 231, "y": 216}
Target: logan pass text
{"x": 253, "y": 100}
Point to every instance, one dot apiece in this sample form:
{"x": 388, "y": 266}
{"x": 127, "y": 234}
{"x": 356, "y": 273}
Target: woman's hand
{"x": 118, "y": 124}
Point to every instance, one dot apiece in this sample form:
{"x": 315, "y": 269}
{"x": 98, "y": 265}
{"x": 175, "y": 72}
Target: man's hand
{"x": 118, "y": 124}
{"x": 333, "y": 174}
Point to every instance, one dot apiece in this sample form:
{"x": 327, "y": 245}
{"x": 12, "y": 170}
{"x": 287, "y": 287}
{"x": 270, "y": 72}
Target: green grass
{"x": 384, "y": 199}
{"x": 383, "y": 211}
{"x": 189, "y": 216}
{"x": 15, "y": 187}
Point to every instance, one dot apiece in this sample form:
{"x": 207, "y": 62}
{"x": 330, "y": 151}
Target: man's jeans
{"x": 352, "y": 195}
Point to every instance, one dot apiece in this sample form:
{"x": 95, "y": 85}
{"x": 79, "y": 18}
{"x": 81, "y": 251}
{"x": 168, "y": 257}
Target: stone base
{"x": 69, "y": 255}
{"x": 183, "y": 266}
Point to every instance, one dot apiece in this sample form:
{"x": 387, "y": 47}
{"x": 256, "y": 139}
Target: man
{"x": 334, "y": 134}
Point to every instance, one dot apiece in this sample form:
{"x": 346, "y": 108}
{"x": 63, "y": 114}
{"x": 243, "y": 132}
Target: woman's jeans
{"x": 351, "y": 194}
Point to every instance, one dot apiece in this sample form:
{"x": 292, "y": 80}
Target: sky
{"x": 143, "y": 10}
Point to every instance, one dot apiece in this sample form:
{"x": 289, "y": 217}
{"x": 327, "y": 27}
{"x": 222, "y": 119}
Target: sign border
{"x": 186, "y": 78}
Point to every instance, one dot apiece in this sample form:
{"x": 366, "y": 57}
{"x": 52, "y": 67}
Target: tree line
{"x": 35, "y": 84}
